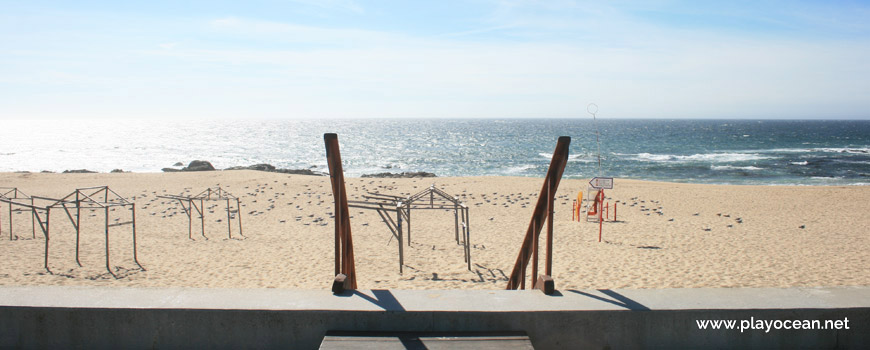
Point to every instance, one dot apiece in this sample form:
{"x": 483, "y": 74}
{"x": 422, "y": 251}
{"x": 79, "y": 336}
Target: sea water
{"x": 767, "y": 152}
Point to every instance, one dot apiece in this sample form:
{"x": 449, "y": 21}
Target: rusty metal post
{"x": 108, "y": 265}
{"x": 456, "y": 221}
{"x": 135, "y": 257}
{"x": 344, "y": 259}
{"x": 542, "y": 211}
{"x": 10, "y": 221}
{"x": 32, "y": 216}
{"x": 468, "y": 239}
{"x": 202, "y": 216}
{"x": 47, "y": 232}
{"x": 239, "y": 213}
{"x": 78, "y": 225}
{"x": 399, "y": 229}
{"x": 189, "y": 212}
{"x": 229, "y": 226}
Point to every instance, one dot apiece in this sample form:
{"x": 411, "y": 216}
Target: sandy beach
{"x": 667, "y": 235}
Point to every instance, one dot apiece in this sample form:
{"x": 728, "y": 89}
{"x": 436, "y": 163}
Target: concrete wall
{"x": 52, "y": 317}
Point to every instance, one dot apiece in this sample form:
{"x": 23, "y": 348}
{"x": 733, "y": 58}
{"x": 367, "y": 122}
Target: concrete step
{"x": 335, "y": 340}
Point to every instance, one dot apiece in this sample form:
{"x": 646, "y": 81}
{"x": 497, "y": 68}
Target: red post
{"x": 573, "y": 210}
{"x": 600, "y": 219}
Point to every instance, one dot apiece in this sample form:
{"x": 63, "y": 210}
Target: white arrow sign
{"x": 602, "y": 182}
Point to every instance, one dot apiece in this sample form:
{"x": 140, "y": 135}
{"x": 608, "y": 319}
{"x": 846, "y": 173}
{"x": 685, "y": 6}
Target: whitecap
{"x": 700, "y": 157}
{"x": 519, "y": 169}
{"x": 729, "y": 167}
{"x": 800, "y": 163}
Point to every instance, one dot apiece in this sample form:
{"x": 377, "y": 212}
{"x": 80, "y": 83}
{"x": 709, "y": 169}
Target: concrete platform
{"x": 92, "y": 317}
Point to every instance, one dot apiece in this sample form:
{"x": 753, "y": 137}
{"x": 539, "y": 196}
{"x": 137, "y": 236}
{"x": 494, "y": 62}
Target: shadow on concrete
{"x": 618, "y": 299}
{"x": 382, "y": 298}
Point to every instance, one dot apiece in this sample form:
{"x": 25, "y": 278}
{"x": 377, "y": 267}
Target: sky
{"x": 434, "y": 59}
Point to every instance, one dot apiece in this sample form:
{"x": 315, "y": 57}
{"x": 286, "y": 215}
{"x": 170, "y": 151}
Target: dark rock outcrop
{"x": 198, "y": 165}
{"x": 271, "y": 168}
{"x": 402, "y": 175}
{"x": 259, "y": 167}
{"x": 79, "y": 171}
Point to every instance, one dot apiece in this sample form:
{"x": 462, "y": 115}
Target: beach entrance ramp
{"x": 335, "y": 340}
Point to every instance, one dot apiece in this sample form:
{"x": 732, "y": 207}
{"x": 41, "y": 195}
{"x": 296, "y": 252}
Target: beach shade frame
{"x": 385, "y": 204}
{"x": 16, "y": 195}
{"x": 197, "y": 203}
{"x": 81, "y": 198}
{"x": 543, "y": 212}
{"x": 345, "y": 271}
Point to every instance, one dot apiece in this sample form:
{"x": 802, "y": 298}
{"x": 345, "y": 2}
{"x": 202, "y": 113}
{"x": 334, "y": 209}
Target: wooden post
{"x": 543, "y": 209}
{"x": 344, "y": 260}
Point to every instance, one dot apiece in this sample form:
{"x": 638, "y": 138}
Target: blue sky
{"x": 433, "y": 59}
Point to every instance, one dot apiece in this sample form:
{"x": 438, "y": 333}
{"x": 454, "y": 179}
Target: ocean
{"x": 756, "y": 152}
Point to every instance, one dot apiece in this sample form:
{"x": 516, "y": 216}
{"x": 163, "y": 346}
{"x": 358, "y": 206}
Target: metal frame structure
{"x": 384, "y": 204}
{"x": 345, "y": 270}
{"x": 81, "y": 198}
{"x": 16, "y": 195}
{"x": 210, "y": 194}
{"x": 543, "y": 211}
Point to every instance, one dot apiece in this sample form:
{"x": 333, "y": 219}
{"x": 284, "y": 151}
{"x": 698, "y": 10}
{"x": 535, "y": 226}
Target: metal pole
{"x": 600, "y": 220}
{"x": 108, "y": 266}
{"x": 10, "y": 220}
{"x": 202, "y": 217}
{"x": 189, "y": 217}
{"x": 47, "y": 234}
{"x": 32, "y": 215}
{"x": 468, "y": 240}
{"x": 456, "y": 221}
{"x": 409, "y": 223}
{"x": 592, "y": 109}
{"x": 135, "y": 258}
{"x": 78, "y": 225}
{"x": 399, "y": 226}
{"x": 229, "y": 227}
{"x": 239, "y": 213}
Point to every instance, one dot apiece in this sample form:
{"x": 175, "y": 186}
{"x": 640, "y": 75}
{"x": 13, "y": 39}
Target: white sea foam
{"x": 701, "y": 157}
{"x": 579, "y": 158}
{"x": 519, "y": 169}
{"x": 729, "y": 167}
{"x": 852, "y": 150}
{"x": 800, "y": 163}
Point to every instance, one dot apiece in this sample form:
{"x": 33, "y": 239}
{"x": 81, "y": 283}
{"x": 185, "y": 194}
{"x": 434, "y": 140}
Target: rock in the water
{"x": 198, "y": 165}
{"x": 178, "y": 164}
{"x": 118, "y": 170}
{"x": 402, "y": 175}
{"x": 169, "y": 170}
{"x": 271, "y": 168}
{"x": 259, "y": 167}
{"x": 79, "y": 171}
